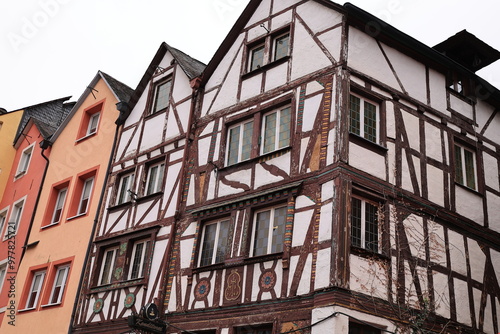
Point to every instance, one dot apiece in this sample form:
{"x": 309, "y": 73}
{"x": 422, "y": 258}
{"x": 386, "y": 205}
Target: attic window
{"x": 161, "y": 96}
{"x": 457, "y": 83}
{"x": 268, "y": 49}
{"x": 91, "y": 118}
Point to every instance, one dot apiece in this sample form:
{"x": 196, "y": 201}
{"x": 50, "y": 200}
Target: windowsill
{"x": 119, "y": 285}
{"x": 79, "y": 140}
{"x": 461, "y": 96}
{"x": 49, "y": 225}
{"x": 236, "y": 262}
{"x": 363, "y": 252}
{"x": 19, "y": 175}
{"x": 265, "y": 67}
{"x": 120, "y": 206}
{"x": 51, "y": 305}
{"x": 148, "y": 197}
{"x": 474, "y": 191}
{"x": 265, "y": 156}
{"x": 368, "y": 144}
{"x": 156, "y": 113}
{"x": 26, "y": 309}
{"x": 77, "y": 216}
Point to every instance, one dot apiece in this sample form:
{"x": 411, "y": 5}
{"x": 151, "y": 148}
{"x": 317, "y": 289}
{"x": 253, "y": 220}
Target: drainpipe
{"x": 44, "y": 144}
{"x": 123, "y": 109}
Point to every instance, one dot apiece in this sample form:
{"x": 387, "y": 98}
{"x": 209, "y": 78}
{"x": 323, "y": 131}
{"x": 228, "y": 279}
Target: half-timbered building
{"x": 326, "y": 173}
{"x": 133, "y": 235}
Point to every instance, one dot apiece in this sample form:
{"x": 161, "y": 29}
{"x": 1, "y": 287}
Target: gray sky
{"x": 53, "y": 48}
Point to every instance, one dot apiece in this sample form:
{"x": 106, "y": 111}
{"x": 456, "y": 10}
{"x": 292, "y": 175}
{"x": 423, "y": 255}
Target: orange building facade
{"x": 49, "y": 275}
{"x": 9, "y": 123}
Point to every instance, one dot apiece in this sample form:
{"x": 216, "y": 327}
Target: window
{"x": 274, "y": 134}
{"x": 15, "y": 218}
{"x": 61, "y": 198}
{"x": 240, "y": 142}
{"x": 363, "y": 118}
{"x": 214, "y": 243}
{"x": 90, "y": 121}
{"x": 276, "y": 130}
{"x": 35, "y": 289}
{"x": 93, "y": 122}
{"x": 3, "y": 273}
{"x": 161, "y": 96}
{"x": 3, "y": 219}
{"x": 269, "y": 231}
{"x": 364, "y": 224}
{"x": 465, "y": 162}
{"x": 255, "y": 329}
{"x": 24, "y": 162}
{"x": 84, "y": 200}
{"x": 59, "y": 284}
{"x": 108, "y": 265}
{"x": 155, "y": 178}
{"x": 355, "y": 328}
{"x": 138, "y": 259}
{"x": 125, "y": 188}
{"x": 269, "y": 49}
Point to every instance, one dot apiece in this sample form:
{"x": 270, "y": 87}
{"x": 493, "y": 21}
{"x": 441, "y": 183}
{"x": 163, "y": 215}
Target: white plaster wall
{"x": 276, "y": 76}
{"x": 172, "y": 300}
{"x": 331, "y": 40}
{"x": 242, "y": 176}
{"x": 250, "y": 87}
{"x": 301, "y": 223}
{"x": 323, "y": 269}
{"x": 182, "y": 88}
{"x": 264, "y": 178}
{"x": 311, "y": 107}
{"x": 305, "y": 278}
{"x": 303, "y": 147}
{"x": 435, "y": 180}
{"x": 437, "y": 250}
{"x": 173, "y": 173}
{"x": 325, "y": 222}
{"x": 437, "y": 88}
{"x": 391, "y": 157}
{"x": 493, "y": 130}
{"x": 225, "y": 190}
{"x": 461, "y": 107}
{"x": 229, "y": 88}
{"x": 483, "y": 113}
{"x": 368, "y": 276}
{"x": 262, "y": 12}
{"x": 257, "y": 32}
{"x": 152, "y": 215}
{"x": 414, "y": 229}
{"x": 407, "y": 184}
{"x": 493, "y": 211}
{"x": 279, "y": 5}
{"x": 367, "y": 160}
{"x": 412, "y": 127}
{"x": 139, "y": 108}
{"x": 303, "y": 201}
{"x": 371, "y": 63}
{"x": 432, "y": 142}
{"x": 153, "y": 131}
{"x": 112, "y": 217}
{"x": 203, "y": 150}
{"x": 186, "y": 250}
{"x": 477, "y": 260}
{"x": 491, "y": 173}
{"x": 124, "y": 139}
{"x": 318, "y": 17}
{"x": 208, "y": 99}
{"x": 469, "y": 205}
{"x": 219, "y": 73}
{"x": 305, "y": 49}
{"x": 441, "y": 294}
{"x": 457, "y": 253}
{"x": 191, "y": 193}
{"x": 281, "y": 20}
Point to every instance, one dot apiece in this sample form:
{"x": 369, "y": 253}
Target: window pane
{"x": 247, "y": 141}
{"x": 125, "y": 185}
{"x": 470, "y": 175}
{"x": 208, "y": 245}
{"x": 35, "y": 289}
{"x": 59, "y": 284}
{"x": 459, "y": 173}
{"x": 107, "y": 266}
{"x": 257, "y": 58}
{"x": 370, "y": 120}
{"x": 233, "y": 147}
{"x": 61, "y": 196}
{"x": 261, "y": 233}
{"x": 281, "y": 47}
{"x": 162, "y": 96}
{"x": 94, "y": 120}
{"x": 354, "y": 115}
{"x": 138, "y": 257}
{"x": 153, "y": 174}
{"x": 222, "y": 242}
{"x": 279, "y": 230}
{"x": 356, "y": 222}
{"x": 284, "y": 134}
{"x": 269, "y": 132}
{"x": 371, "y": 227}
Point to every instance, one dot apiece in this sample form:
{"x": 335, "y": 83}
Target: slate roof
{"x": 122, "y": 91}
{"x": 47, "y": 116}
{"x": 192, "y": 67}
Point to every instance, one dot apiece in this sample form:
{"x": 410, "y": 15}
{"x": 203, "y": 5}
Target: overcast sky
{"x": 53, "y": 48}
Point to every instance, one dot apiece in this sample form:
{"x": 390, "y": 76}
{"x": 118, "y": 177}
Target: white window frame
{"x": 90, "y": 129}
{"x": 3, "y": 219}
{"x": 157, "y": 182}
{"x": 218, "y": 242}
{"x": 126, "y": 180}
{"x": 15, "y": 216}
{"x": 35, "y": 289}
{"x": 363, "y": 243}
{"x": 362, "y": 118}
{"x": 240, "y": 141}
{"x": 111, "y": 265}
{"x": 154, "y": 107}
{"x": 82, "y": 195}
{"x": 62, "y": 286}
{"x": 3, "y": 272}
{"x": 271, "y": 229}
{"x": 142, "y": 260}
{"x": 25, "y": 160}
{"x": 59, "y": 205}
{"x": 465, "y": 180}
{"x": 277, "y": 129}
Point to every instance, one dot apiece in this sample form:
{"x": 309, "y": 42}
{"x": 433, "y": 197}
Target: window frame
{"x": 3, "y": 272}
{"x": 217, "y": 242}
{"x": 38, "y": 292}
{"x": 90, "y": 113}
{"x": 3, "y": 214}
{"x": 130, "y": 175}
{"x": 270, "y": 230}
{"x": 277, "y": 130}
{"x": 90, "y": 129}
{"x": 362, "y": 133}
{"x": 56, "y": 207}
{"x": 461, "y": 171}
{"x": 62, "y": 287}
{"x": 157, "y": 187}
{"x": 112, "y": 265}
{"x": 363, "y": 243}
{"x": 15, "y": 209}
{"x": 25, "y": 161}
{"x": 267, "y": 44}
{"x": 90, "y": 180}
{"x": 241, "y": 142}
{"x": 155, "y": 94}
{"x": 142, "y": 262}
{"x": 254, "y": 329}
